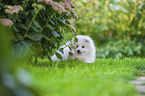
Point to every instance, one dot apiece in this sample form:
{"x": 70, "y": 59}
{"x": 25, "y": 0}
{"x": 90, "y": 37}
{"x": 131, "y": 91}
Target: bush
{"x": 111, "y": 20}
{"x": 38, "y": 25}
{"x": 120, "y": 49}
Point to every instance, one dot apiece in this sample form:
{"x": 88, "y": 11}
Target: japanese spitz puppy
{"x": 81, "y": 48}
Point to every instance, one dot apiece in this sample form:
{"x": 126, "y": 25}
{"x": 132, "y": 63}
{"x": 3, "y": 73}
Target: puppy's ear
{"x": 87, "y": 40}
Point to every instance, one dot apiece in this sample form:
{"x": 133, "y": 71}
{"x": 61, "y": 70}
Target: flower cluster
{"x": 37, "y": 6}
{"x": 57, "y": 7}
{"x": 69, "y": 7}
{"x": 75, "y": 14}
{"x": 46, "y": 1}
{"x": 40, "y": 0}
{"x": 70, "y": 3}
{"x": 13, "y": 9}
{"x": 6, "y": 22}
{"x": 66, "y": 7}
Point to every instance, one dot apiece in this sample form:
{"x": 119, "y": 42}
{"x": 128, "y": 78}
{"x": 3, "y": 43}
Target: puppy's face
{"x": 82, "y": 46}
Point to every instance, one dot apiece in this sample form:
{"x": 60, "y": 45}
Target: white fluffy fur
{"x": 84, "y": 51}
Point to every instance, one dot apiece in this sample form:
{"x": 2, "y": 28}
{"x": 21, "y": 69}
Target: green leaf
{"x": 70, "y": 48}
{"x": 50, "y": 27}
{"x": 46, "y": 37}
{"x": 62, "y": 20}
{"x": 36, "y": 29}
{"x": 58, "y": 55}
{"x": 24, "y": 26}
{"x": 19, "y": 36}
{"x": 1, "y": 4}
{"x": 61, "y": 50}
{"x": 15, "y": 29}
{"x": 34, "y": 36}
{"x": 55, "y": 34}
{"x": 75, "y": 39}
{"x": 49, "y": 58}
{"x": 52, "y": 22}
{"x": 44, "y": 52}
{"x": 36, "y": 24}
{"x": 50, "y": 42}
{"x": 48, "y": 48}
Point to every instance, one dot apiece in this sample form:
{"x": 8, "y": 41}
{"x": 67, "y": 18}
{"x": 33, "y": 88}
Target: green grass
{"x": 104, "y": 77}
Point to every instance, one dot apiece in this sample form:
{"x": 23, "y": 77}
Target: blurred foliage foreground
{"x": 14, "y": 81}
{"x": 117, "y": 26}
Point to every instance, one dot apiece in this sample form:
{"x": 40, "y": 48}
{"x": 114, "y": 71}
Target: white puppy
{"x": 82, "y": 49}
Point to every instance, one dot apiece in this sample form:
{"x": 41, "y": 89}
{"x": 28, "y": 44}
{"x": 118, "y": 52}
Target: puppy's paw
{"x": 71, "y": 53}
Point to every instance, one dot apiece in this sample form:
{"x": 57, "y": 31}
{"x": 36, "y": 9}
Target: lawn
{"x": 104, "y": 77}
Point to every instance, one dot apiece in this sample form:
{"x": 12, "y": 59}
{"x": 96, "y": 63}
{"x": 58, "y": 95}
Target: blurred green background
{"x": 116, "y": 26}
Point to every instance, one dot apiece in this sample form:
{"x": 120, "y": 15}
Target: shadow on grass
{"x": 61, "y": 64}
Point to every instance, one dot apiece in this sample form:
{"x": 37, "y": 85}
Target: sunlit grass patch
{"x": 104, "y": 77}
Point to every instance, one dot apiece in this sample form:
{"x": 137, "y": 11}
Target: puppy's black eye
{"x": 77, "y": 46}
{"x": 83, "y": 46}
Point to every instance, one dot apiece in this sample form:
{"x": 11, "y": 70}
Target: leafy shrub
{"x": 106, "y": 20}
{"x": 38, "y": 25}
{"x": 13, "y": 80}
{"x": 110, "y": 18}
{"x": 119, "y": 49}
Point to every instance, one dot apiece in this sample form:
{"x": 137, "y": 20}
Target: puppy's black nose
{"x": 79, "y": 52}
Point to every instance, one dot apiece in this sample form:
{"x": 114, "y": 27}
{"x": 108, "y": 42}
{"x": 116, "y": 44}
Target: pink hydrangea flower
{"x": 13, "y": 9}
{"x": 16, "y": 9}
{"x": 8, "y": 11}
{"x": 20, "y": 8}
{"x": 60, "y": 6}
{"x": 68, "y": 21}
{"x": 60, "y": 12}
{"x": 67, "y": 6}
{"x": 70, "y": 3}
{"x": 6, "y": 22}
{"x": 10, "y": 7}
{"x": 40, "y": 0}
{"x": 68, "y": 13}
{"x": 55, "y": 8}
{"x": 48, "y": 1}
{"x": 52, "y": 3}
